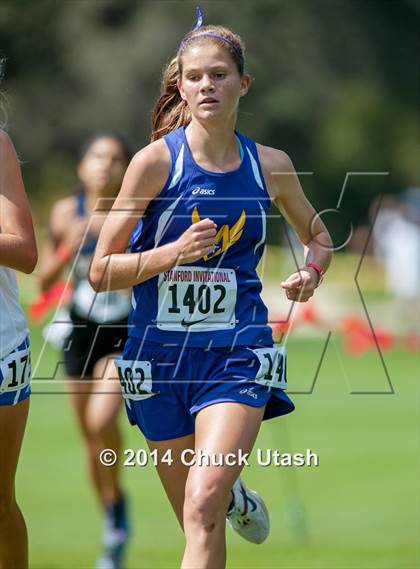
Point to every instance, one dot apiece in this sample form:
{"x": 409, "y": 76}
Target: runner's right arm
{"x": 112, "y": 268}
{"x": 65, "y": 235}
{"x": 17, "y": 239}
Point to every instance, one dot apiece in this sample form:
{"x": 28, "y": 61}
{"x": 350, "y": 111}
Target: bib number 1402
{"x": 202, "y": 304}
{"x": 194, "y": 299}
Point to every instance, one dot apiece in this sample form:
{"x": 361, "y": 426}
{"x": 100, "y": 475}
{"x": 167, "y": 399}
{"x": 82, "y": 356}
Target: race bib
{"x": 196, "y": 299}
{"x": 135, "y": 378}
{"x": 100, "y": 307}
{"x": 15, "y": 371}
{"x": 272, "y": 370}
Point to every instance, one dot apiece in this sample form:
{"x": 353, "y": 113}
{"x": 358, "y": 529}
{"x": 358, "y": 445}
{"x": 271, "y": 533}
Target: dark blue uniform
{"x": 99, "y": 319}
{"x": 198, "y": 333}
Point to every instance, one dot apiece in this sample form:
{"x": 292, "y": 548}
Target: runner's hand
{"x": 196, "y": 241}
{"x": 300, "y": 286}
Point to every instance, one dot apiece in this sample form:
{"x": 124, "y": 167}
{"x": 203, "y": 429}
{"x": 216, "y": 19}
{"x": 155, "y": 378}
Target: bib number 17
{"x": 16, "y": 371}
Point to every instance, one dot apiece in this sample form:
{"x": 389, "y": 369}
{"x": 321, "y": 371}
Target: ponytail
{"x": 170, "y": 111}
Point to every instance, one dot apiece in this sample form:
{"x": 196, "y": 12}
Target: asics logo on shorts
{"x": 203, "y": 192}
{"x": 249, "y": 392}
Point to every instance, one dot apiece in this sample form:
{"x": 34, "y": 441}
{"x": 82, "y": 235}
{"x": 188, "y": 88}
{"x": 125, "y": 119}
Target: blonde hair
{"x": 170, "y": 110}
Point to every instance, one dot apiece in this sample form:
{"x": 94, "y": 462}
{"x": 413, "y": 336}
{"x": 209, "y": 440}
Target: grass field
{"x": 358, "y": 509}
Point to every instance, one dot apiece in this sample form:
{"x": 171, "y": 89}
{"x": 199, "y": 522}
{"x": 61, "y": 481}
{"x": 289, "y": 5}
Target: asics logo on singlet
{"x": 226, "y": 236}
{"x": 203, "y": 192}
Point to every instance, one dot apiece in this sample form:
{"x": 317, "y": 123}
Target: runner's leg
{"x": 13, "y": 534}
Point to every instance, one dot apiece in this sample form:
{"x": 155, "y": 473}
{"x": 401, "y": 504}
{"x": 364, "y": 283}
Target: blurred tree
{"x": 336, "y": 84}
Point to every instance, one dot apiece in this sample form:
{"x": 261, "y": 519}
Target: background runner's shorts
{"x": 15, "y": 375}
{"x": 164, "y": 388}
{"x": 89, "y": 342}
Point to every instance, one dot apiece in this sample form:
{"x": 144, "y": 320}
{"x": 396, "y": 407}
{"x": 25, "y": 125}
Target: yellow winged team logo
{"x": 226, "y": 236}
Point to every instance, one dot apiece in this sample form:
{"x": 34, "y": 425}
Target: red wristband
{"x": 318, "y": 269}
{"x": 63, "y": 253}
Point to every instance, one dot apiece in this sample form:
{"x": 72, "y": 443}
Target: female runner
{"x": 99, "y": 325}
{"x": 200, "y": 370}
{"x": 18, "y": 252}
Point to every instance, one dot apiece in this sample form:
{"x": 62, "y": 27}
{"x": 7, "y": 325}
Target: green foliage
{"x": 335, "y": 82}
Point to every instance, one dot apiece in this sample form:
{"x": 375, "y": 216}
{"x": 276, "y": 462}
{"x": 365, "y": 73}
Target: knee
{"x": 95, "y": 429}
{"x": 202, "y": 507}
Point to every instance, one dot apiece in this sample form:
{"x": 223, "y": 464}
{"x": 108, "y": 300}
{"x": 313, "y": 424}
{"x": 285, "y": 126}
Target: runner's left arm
{"x": 288, "y": 196}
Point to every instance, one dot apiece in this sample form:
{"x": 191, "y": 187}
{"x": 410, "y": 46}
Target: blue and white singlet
{"x": 215, "y": 301}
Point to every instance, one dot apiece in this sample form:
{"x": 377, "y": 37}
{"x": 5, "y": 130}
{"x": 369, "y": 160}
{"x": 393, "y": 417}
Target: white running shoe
{"x": 115, "y": 541}
{"x": 247, "y": 514}
{"x": 105, "y": 563}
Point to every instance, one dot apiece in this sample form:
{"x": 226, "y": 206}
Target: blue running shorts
{"x": 164, "y": 388}
{"x": 15, "y": 375}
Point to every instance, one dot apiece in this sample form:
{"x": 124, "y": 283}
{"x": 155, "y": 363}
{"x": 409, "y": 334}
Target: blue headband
{"x": 198, "y": 25}
{"x": 199, "y": 21}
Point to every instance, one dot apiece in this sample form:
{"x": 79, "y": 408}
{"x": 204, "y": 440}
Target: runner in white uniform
{"x": 17, "y": 252}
